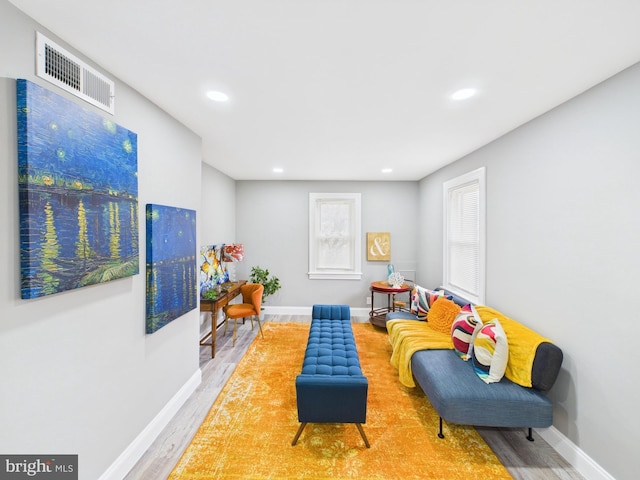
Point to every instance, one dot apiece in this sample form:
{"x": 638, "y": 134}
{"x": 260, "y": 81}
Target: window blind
{"x": 463, "y": 241}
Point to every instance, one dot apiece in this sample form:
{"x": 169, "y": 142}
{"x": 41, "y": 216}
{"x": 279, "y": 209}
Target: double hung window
{"x": 334, "y": 236}
{"x": 464, "y": 235}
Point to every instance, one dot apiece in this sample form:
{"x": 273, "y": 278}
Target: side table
{"x": 229, "y": 292}
{"x": 377, "y": 316}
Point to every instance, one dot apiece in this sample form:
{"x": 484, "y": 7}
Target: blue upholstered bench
{"x": 331, "y": 387}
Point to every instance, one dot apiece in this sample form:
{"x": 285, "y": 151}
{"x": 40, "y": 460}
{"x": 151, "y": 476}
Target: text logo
{"x": 49, "y": 467}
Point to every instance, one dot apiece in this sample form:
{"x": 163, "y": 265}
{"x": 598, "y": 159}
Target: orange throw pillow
{"x": 442, "y": 314}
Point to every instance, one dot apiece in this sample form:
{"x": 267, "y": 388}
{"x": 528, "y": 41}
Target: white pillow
{"x": 490, "y": 352}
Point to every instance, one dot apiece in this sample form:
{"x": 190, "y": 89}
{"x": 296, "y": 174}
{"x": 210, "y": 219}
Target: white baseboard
{"x": 273, "y": 310}
{"x": 583, "y": 463}
{"x": 127, "y": 459}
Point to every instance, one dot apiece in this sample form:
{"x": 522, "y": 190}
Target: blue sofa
{"x": 460, "y": 396}
{"x": 331, "y": 387}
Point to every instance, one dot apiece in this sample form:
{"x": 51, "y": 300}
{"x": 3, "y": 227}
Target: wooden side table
{"x": 377, "y": 316}
{"x": 231, "y": 291}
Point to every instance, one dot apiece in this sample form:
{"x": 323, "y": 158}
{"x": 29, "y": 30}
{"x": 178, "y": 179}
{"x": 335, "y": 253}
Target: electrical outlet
{"x": 368, "y": 300}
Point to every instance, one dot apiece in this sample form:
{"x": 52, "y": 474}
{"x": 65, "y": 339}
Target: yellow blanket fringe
{"x": 408, "y": 337}
{"x": 523, "y": 343}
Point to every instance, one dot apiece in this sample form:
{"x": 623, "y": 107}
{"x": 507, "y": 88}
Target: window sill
{"x": 334, "y": 276}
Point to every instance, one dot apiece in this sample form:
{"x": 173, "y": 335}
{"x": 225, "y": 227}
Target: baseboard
{"x": 127, "y": 459}
{"x": 274, "y": 310}
{"x": 583, "y": 463}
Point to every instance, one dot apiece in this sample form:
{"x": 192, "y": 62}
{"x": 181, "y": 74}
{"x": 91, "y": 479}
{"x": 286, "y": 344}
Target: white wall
{"x": 273, "y": 223}
{"x": 563, "y": 234}
{"x": 79, "y": 375}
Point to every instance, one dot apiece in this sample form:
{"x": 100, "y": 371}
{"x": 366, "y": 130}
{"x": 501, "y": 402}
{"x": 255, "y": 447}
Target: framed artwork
{"x": 213, "y": 271}
{"x": 171, "y": 264}
{"x": 78, "y": 187}
{"x": 378, "y": 246}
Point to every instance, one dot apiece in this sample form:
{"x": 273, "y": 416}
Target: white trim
{"x": 478, "y": 175}
{"x": 334, "y": 276}
{"x": 352, "y": 271}
{"x": 276, "y": 310}
{"x": 130, "y": 456}
{"x": 583, "y": 463}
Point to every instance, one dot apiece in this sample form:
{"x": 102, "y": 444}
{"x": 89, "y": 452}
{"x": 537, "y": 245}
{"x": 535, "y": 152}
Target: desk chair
{"x": 250, "y": 307}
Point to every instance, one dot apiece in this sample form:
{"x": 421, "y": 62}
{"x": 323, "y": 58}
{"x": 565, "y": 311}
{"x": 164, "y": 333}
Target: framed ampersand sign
{"x": 378, "y": 246}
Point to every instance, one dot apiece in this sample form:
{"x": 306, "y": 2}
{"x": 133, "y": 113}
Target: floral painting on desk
{"x": 78, "y": 190}
{"x": 213, "y": 271}
{"x": 171, "y": 264}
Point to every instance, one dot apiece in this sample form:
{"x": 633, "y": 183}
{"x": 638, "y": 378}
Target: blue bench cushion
{"x": 459, "y": 396}
{"x": 331, "y": 349}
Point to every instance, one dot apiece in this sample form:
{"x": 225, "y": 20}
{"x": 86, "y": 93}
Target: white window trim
{"x": 355, "y": 272}
{"x": 475, "y": 176}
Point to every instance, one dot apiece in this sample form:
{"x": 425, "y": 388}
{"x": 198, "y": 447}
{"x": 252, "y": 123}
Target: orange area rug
{"x": 247, "y": 433}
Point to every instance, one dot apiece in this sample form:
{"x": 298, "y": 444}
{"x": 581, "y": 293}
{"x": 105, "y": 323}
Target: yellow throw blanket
{"x": 523, "y": 343}
{"x": 408, "y": 337}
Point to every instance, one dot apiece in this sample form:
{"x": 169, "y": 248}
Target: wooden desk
{"x": 230, "y": 291}
{"x": 377, "y": 316}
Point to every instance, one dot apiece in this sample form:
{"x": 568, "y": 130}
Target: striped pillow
{"x": 490, "y": 352}
{"x": 464, "y": 330}
{"x": 422, "y": 299}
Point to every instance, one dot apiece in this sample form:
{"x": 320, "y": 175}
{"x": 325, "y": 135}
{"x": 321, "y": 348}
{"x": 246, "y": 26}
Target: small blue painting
{"x": 78, "y": 187}
{"x": 172, "y": 279}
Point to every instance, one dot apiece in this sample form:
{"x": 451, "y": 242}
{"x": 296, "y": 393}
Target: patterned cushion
{"x": 490, "y": 352}
{"x": 442, "y": 314}
{"x": 422, "y": 299}
{"x": 464, "y": 330}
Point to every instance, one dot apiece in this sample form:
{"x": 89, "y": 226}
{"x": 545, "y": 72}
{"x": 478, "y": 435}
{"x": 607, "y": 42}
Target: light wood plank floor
{"x": 525, "y": 460}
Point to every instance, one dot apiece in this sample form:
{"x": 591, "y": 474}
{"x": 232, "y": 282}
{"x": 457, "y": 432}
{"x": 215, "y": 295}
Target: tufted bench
{"x": 331, "y": 387}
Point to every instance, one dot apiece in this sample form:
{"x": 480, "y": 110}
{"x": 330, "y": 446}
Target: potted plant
{"x": 261, "y": 276}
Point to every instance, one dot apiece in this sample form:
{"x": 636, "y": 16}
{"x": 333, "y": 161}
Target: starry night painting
{"x": 78, "y": 186}
{"x": 171, "y": 264}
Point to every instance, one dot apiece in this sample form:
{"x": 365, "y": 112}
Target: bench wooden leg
{"x": 298, "y": 433}
{"x": 364, "y": 437}
{"x": 304, "y": 424}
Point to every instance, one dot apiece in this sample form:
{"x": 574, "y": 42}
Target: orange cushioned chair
{"x": 250, "y": 307}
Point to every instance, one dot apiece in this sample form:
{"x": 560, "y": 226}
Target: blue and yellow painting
{"x": 78, "y": 186}
{"x": 171, "y": 264}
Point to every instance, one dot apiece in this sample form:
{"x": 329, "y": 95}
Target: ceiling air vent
{"x": 63, "y": 69}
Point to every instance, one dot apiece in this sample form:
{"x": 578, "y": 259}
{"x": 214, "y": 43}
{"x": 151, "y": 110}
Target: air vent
{"x": 63, "y": 69}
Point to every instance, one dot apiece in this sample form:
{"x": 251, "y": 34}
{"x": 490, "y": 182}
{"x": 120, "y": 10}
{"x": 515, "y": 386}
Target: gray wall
{"x": 79, "y": 375}
{"x": 218, "y": 221}
{"x": 273, "y": 223}
{"x": 562, "y": 254}
{"x": 218, "y": 218}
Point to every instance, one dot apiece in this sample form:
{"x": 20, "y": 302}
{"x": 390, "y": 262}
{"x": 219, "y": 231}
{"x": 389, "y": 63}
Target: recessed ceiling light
{"x": 217, "y": 96}
{"x": 278, "y": 170}
{"x": 464, "y": 93}
{"x": 387, "y": 170}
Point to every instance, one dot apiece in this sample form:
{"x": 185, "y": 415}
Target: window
{"x": 334, "y": 236}
{"x": 464, "y": 235}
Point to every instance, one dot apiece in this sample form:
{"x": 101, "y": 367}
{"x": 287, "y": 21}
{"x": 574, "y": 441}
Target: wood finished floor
{"x": 525, "y": 460}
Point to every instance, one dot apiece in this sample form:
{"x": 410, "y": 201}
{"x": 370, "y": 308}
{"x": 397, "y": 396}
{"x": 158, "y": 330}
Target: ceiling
{"x": 340, "y": 89}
